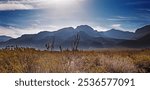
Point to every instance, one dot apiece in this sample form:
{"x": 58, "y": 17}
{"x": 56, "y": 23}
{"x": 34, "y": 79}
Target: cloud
{"x": 138, "y": 2}
{"x": 17, "y": 32}
{"x": 121, "y": 18}
{"x": 145, "y": 9}
{"x": 36, "y": 4}
{"x": 8, "y": 32}
{"x": 15, "y": 5}
{"x": 118, "y": 27}
{"x": 141, "y": 19}
{"x": 4, "y": 7}
{"x": 99, "y": 28}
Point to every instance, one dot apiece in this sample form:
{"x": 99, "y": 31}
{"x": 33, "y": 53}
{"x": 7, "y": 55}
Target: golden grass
{"x": 23, "y": 60}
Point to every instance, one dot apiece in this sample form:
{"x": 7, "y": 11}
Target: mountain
{"x": 142, "y": 32}
{"x": 89, "y": 38}
{"x": 89, "y": 30}
{"x": 140, "y": 43}
{"x": 92, "y": 42}
{"x": 64, "y": 33}
{"x": 86, "y": 41}
{"x": 117, "y": 34}
{"x": 4, "y": 38}
{"x": 142, "y": 36}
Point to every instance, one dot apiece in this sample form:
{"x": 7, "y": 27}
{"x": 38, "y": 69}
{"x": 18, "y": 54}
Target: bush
{"x": 27, "y": 60}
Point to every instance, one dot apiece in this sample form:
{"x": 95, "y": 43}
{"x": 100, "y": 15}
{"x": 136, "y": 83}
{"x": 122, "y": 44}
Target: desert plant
{"x": 29, "y": 60}
{"x": 76, "y": 42}
{"x": 50, "y": 44}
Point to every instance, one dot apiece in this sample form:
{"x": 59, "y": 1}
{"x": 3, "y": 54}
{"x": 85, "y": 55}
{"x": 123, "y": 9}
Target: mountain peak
{"x": 66, "y": 28}
{"x": 113, "y": 33}
{"x": 145, "y": 29}
{"x": 43, "y": 32}
{"x": 84, "y": 27}
{"x": 139, "y": 33}
{"x": 114, "y": 30}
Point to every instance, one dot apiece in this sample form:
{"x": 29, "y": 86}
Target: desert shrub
{"x": 26, "y": 60}
{"x": 117, "y": 64}
{"x": 144, "y": 66}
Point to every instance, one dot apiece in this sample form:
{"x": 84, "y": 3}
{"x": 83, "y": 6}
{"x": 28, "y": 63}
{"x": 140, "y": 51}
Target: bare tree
{"x": 76, "y": 42}
{"x": 47, "y": 45}
{"x": 60, "y": 48}
{"x": 50, "y": 44}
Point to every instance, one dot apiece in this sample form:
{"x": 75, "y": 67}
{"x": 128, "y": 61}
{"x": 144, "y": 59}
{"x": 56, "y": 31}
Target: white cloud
{"x": 99, "y": 28}
{"x": 38, "y": 4}
{"x": 138, "y": 2}
{"x": 122, "y": 18}
{"x": 8, "y": 6}
{"x": 8, "y": 32}
{"x": 145, "y": 9}
{"x": 116, "y": 26}
{"x": 15, "y": 5}
{"x": 17, "y": 32}
{"x": 119, "y": 27}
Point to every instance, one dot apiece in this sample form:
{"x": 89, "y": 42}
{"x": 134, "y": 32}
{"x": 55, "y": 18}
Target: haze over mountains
{"x": 89, "y": 38}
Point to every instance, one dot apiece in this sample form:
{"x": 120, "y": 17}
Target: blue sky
{"x": 19, "y": 17}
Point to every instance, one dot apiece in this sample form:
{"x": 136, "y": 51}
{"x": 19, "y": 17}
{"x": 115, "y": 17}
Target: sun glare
{"x": 62, "y": 3}
{"x": 60, "y": 10}
{"x": 60, "y": 6}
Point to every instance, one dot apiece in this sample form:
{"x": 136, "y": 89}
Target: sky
{"x": 19, "y": 17}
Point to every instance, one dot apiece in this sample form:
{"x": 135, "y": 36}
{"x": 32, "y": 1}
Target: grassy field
{"x": 23, "y": 60}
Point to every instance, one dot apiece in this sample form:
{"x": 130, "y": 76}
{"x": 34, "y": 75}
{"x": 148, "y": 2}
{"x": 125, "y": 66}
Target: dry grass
{"x": 102, "y": 61}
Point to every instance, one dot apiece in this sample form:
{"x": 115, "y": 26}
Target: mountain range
{"x": 89, "y": 38}
{"x": 4, "y": 38}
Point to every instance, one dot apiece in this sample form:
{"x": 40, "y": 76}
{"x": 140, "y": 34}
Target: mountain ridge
{"x": 89, "y": 38}
{"x": 4, "y": 38}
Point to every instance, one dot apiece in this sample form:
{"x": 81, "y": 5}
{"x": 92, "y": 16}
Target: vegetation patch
{"x": 28, "y": 60}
